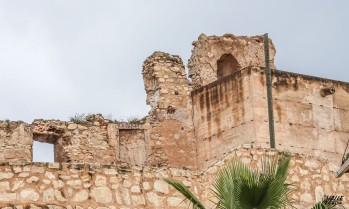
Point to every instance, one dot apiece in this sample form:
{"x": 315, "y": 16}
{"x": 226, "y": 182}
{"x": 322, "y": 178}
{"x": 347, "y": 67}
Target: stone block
{"x": 8, "y": 197}
{"x": 101, "y": 194}
{"x": 161, "y": 186}
{"x": 4, "y": 186}
{"x": 29, "y": 195}
{"x": 137, "y": 200}
{"x": 6, "y": 175}
{"x": 174, "y": 201}
{"x": 135, "y": 189}
{"x": 32, "y": 179}
{"x": 72, "y": 126}
{"x": 100, "y": 180}
{"x": 80, "y": 196}
{"x": 48, "y": 196}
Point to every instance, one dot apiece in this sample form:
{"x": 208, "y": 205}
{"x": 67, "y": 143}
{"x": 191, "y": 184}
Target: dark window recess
{"x": 227, "y": 65}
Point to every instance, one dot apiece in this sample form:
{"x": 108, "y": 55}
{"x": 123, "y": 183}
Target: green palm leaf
{"x": 186, "y": 193}
{"x": 329, "y": 202}
{"x": 321, "y": 205}
{"x": 237, "y": 186}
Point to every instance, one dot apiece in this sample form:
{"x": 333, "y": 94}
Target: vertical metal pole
{"x": 269, "y": 92}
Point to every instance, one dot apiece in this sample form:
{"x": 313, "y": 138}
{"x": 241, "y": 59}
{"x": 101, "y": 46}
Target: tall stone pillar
{"x": 170, "y": 133}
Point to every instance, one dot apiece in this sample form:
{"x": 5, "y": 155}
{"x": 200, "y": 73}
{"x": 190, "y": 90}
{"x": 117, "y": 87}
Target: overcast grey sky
{"x": 58, "y": 58}
{"x": 62, "y": 57}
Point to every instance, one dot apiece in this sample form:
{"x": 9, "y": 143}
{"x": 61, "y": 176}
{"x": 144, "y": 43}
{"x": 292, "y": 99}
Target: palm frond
{"x": 329, "y": 202}
{"x": 237, "y": 186}
{"x": 228, "y": 183}
{"x": 321, "y": 205}
{"x": 180, "y": 187}
{"x": 277, "y": 192}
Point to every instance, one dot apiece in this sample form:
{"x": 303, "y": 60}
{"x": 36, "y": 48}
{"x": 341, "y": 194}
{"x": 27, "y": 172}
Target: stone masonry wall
{"x": 15, "y": 142}
{"x": 80, "y": 141}
{"x": 305, "y": 121}
{"x": 234, "y": 111}
{"x": 95, "y": 140}
{"x": 223, "y": 116}
{"x": 132, "y": 147}
{"x": 55, "y": 185}
{"x": 169, "y": 127}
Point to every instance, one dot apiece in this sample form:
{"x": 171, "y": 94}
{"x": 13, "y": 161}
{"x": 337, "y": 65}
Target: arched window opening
{"x": 227, "y": 65}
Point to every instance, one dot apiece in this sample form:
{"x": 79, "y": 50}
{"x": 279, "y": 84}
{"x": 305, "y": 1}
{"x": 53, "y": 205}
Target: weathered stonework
{"x": 16, "y": 141}
{"x": 233, "y": 110}
{"x": 193, "y": 128}
{"x": 171, "y": 134}
{"x": 110, "y": 186}
{"x": 95, "y": 140}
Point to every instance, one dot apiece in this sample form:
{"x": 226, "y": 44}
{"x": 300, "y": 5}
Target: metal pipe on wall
{"x": 269, "y": 92}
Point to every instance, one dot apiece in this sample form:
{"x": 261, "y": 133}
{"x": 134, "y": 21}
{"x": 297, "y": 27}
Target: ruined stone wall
{"x": 64, "y": 185}
{"x": 209, "y": 51}
{"x": 15, "y": 142}
{"x": 169, "y": 127}
{"x": 95, "y": 140}
{"x": 85, "y": 141}
{"x": 80, "y": 141}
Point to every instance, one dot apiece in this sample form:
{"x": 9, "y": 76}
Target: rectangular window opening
{"x": 43, "y": 152}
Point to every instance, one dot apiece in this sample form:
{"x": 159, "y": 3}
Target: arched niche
{"x": 227, "y": 65}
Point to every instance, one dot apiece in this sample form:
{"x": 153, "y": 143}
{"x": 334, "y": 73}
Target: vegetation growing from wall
{"x": 79, "y": 118}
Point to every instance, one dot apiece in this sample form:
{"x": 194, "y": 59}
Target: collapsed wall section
{"x": 55, "y": 185}
{"x": 170, "y": 132}
{"x": 214, "y": 57}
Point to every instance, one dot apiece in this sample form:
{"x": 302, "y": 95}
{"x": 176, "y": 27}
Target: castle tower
{"x": 171, "y": 136}
{"x": 215, "y": 57}
{"x": 225, "y": 73}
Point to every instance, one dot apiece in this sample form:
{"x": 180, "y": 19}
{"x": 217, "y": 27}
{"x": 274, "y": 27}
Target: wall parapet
{"x": 231, "y": 76}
